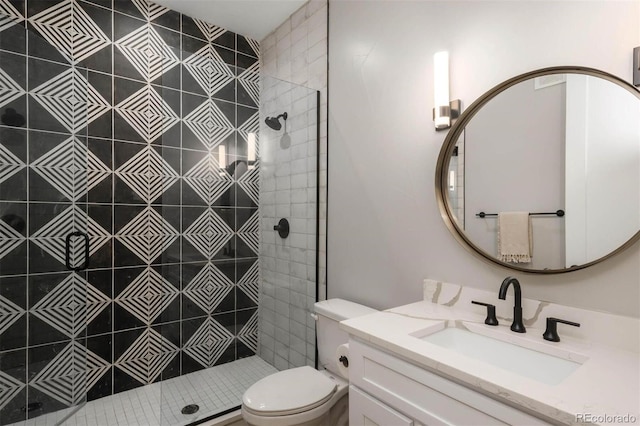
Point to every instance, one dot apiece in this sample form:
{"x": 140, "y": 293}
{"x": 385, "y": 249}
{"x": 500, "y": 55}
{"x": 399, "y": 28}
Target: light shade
{"x": 442, "y": 116}
{"x": 251, "y": 147}
{"x": 222, "y": 156}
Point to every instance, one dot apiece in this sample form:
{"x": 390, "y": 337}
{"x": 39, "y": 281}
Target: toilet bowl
{"x": 305, "y": 396}
{"x": 299, "y": 396}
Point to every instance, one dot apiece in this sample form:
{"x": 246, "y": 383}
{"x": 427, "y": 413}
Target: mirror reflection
{"x": 552, "y": 165}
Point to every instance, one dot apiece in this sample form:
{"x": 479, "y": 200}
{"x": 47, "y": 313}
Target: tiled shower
{"x": 130, "y": 201}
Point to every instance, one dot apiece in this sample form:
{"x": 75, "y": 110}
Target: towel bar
{"x": 558, "y": 213}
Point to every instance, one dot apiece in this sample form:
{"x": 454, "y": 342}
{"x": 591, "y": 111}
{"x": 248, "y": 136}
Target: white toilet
{"x": 304, "y": 395}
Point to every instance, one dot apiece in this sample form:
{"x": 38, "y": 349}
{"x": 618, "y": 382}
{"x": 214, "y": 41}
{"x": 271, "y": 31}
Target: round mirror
{"x": 542, "y": 173}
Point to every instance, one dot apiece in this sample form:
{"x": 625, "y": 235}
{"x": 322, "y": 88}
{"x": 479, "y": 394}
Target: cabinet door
{"x": 425, "y": 396}
{"x": 365, "y": 410}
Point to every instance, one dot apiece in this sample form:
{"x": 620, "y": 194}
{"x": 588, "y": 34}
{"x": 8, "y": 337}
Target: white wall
{"x": 385, "y": 231}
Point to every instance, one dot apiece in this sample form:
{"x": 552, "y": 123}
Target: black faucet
{"x": 551, "y": 333}
{"x": 517, "y": 324}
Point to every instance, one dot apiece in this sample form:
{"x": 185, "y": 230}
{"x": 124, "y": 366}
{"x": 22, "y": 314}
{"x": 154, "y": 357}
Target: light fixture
{"x": 251, "y": 149}
{"x": 444, "y": 112}
{"x": 222, "y": 156}
{"x": 452, "y": 180}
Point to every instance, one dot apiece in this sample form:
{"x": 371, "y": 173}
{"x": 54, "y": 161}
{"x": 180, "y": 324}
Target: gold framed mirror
{"x": 560, "y": 145}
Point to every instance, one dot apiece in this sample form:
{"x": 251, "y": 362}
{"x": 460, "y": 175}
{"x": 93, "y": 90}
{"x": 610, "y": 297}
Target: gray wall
{"x": 385, "y": 231}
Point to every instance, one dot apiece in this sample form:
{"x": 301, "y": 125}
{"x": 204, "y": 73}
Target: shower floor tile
{"x": 214, "y": 389}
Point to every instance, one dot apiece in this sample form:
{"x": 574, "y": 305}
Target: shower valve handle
{"x": 282, "y": 227}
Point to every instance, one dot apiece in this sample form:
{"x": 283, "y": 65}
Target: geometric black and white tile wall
{"x": 130, "y": 122}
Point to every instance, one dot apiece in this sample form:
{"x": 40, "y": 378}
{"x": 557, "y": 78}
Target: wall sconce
{"x": 636, "y": 66}
{"x": 445, "y": 112}
{"x": 452, "y": 180}
{"x": 251, "y": 150}
{"x": 222, "y": 156}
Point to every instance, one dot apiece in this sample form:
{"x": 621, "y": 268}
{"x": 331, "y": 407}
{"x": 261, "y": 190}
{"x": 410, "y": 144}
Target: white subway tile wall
{"x": 296, "y": 52}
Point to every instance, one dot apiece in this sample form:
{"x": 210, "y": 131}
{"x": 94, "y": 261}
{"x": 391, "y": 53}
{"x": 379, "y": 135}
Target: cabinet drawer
{"x": 365, "y": 410}
{"x": 423, "y": 395}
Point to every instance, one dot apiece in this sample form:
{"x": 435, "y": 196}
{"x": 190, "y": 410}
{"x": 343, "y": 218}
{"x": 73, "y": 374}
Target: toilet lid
{"x": 289, "y": 392}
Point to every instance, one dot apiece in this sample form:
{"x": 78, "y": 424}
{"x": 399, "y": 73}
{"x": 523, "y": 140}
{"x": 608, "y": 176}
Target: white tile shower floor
{"x": 215, "y": 390}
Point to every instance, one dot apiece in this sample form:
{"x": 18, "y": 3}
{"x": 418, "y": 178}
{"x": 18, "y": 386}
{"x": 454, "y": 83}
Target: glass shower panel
{"x": 221, "y": 224}
{"x": 13, "y": 233}
{"x": 288, "y": 190}
{"x": 49, "y": 235}
{"x": 218, "y": 225}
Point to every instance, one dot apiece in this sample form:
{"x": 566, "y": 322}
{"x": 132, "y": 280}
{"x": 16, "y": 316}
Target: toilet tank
{"x": 330, "y": 336}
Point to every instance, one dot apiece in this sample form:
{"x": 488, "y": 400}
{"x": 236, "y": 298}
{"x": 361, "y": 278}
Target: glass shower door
{"x": 288, "y": 190}
{"x": 217, "y": 218}
{"x": 48, "y": 234}
{"x": 225, "y": 220}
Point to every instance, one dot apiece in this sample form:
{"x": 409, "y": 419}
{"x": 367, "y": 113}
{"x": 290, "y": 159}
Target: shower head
{"x": 274, "y": 122}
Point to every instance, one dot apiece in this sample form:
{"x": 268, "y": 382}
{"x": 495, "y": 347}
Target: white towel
{"x": 515, "y": 242}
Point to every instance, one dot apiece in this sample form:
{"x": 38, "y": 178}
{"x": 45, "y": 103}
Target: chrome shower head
{"x": 274, "y": 122}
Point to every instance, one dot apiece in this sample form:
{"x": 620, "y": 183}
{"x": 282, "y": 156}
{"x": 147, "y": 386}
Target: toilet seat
{"x": 280, "y": 394}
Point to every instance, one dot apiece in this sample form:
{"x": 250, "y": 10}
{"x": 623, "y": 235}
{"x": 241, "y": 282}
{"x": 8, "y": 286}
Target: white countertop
{"x": 607, "y": 383}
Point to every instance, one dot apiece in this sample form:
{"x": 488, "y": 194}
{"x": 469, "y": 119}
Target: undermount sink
{"x": 546, "y": 368}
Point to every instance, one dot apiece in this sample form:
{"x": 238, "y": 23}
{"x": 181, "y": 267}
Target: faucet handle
{"x": 551, "y": 333}
{"x": 491, "y": 312}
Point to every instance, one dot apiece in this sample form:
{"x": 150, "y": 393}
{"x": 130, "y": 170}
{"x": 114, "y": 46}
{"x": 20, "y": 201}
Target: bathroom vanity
{"x": 436, "y": 362}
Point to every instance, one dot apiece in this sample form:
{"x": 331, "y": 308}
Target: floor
{"x": 215, "y": 390}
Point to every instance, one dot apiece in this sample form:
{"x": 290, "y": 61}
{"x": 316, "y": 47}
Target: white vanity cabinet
{"x": 388, "y": 391}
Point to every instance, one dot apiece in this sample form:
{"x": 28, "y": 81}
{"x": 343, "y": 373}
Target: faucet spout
{"x": 517, "y": 325}
{"x": 517, "y": 291}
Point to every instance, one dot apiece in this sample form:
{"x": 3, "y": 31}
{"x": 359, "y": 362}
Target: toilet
{"x": 304, "y": 395}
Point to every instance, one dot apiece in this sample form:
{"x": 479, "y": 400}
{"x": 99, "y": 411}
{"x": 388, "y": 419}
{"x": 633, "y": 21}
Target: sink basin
{"x": 526, "y": 362}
